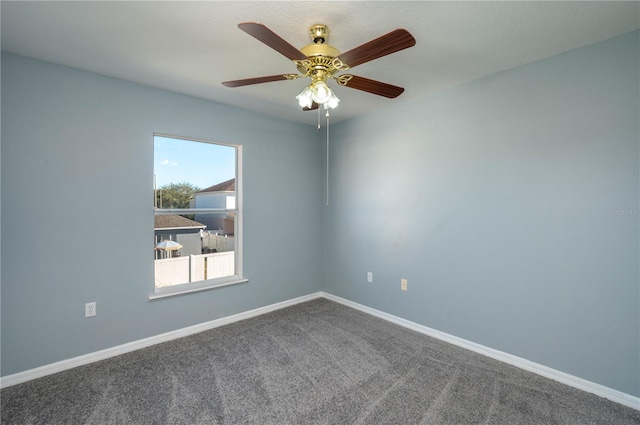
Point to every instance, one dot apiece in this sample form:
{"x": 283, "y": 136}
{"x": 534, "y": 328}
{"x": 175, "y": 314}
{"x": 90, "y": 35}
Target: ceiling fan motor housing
{"x": 320, "y": 54}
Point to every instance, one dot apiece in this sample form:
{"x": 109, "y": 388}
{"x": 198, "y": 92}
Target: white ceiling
{"x": 191, "y": 47}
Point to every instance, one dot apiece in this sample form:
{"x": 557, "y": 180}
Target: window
{"x": 197, "y": 199}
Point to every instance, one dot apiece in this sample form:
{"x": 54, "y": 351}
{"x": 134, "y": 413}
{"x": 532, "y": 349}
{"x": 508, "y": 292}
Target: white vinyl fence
{"x": 219, "y": 243}
{"x": 194, "y": 268}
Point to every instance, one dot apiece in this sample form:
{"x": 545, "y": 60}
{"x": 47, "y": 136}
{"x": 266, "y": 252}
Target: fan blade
{"x": 257, "y": 80}
{"x": 370, "y": 86}
{"x": 314, "y": 106}
{"x": 384, "y": 45}
{"x": 271, "y": 39}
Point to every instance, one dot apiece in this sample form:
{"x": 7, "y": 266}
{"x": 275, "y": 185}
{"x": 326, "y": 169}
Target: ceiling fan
{"x": 321, "y": 61}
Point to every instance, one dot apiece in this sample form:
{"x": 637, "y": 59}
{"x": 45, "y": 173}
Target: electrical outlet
{"x": 369, "y": 277}
{"x": 90, "y": 309}
{"x": 403, "y": 284}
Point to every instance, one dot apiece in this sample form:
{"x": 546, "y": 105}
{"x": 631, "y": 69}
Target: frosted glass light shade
{"x": 321, "y": 93}
{"x": 305, "y": 98}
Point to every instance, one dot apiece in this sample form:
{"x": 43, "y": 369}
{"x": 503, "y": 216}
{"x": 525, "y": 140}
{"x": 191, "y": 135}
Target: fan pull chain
{"x": 318, "y": 119}
{"x": 327, "y": 115}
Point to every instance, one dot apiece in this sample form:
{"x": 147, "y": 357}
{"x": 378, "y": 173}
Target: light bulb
{"x": 321, "y": 92}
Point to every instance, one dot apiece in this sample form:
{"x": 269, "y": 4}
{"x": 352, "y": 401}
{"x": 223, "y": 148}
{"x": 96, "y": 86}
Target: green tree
{"x": 175, "y": 195}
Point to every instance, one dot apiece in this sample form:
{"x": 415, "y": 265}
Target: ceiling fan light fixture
{"x": 319, "y": 93}
{"x": 305, "y": 99}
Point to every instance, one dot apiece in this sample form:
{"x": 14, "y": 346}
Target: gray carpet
{"x": 314, "y": 363}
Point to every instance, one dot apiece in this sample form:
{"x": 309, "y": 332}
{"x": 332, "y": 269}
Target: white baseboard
{"x": 556, "y": 375}
{"x": 27, "y": 375}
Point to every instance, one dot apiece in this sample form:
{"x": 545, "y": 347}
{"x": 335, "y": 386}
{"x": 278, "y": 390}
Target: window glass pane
{"x": 187, "y": 252}
{"x": 184, "y": 167}
{"x": 197, "y": 246}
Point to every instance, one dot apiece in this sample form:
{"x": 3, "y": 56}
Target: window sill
{"x": 197, "y": 287}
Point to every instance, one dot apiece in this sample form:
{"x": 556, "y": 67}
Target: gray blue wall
{"x": 511, "y": 205}
{"x": 77, "y": 217}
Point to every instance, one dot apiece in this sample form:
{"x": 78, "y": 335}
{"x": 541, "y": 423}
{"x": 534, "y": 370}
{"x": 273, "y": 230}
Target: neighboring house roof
{"x": 173, "y": 221}
{"x": 228, "y": 186}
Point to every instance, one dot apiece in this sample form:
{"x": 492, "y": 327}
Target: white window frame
{"x": 238, "y": 277}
